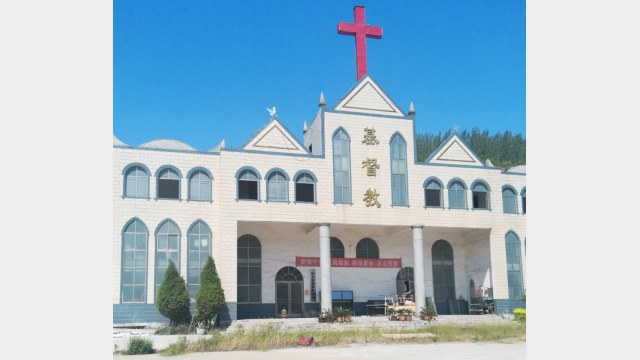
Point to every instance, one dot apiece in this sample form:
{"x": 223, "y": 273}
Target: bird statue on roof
{"x": 272, "y": 111}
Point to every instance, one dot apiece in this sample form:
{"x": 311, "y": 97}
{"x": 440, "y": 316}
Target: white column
{"x": 418, "y": 266}
{"x": 325, "y": 267}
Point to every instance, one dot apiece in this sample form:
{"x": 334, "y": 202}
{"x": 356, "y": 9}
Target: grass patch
{"x": 270, "y": 336}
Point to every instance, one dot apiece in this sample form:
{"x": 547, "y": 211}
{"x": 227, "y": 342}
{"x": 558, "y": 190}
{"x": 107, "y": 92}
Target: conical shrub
{"x": 210, "y": 296}
{"x": 173, "y": 299}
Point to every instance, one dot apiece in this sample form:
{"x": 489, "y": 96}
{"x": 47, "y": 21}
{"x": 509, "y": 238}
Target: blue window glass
{"x": 167, "y": 248}
{"x": 134, "y": 263}
{"x": 457, "y": 196}
{"x": 199, "y": 238}
{"x": 509, "y": 201}
{"x": 277, "y": 187}
{"x": 398, "y": 171}
{"x": 199, "y": 186}
{"x": 341, "y": 168}
{"x": 249, "y": 269}
{"x": 514, "y": 266}
{"x": 136, "y": 183}
{"x": 524, "y": 201}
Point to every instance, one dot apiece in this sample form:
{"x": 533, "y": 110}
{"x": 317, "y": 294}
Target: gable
{"x": 454, "y": 152}
{"x": 366, "y": 96}
{"x": 274, "y": 137}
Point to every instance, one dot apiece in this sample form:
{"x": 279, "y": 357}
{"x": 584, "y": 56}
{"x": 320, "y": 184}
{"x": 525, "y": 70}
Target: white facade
{"x": 291, "y": 228}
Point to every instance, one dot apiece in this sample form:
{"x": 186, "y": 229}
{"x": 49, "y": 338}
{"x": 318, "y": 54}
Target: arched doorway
{"x": 289, "y": 291}
{"x": 444, "y": 287}
{"x": 404, "y": 281}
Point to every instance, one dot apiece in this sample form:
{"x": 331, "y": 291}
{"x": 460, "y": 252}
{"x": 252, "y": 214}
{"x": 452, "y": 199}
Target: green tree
{"x": 210, "y": 295}
{"x": 173, "y": 299}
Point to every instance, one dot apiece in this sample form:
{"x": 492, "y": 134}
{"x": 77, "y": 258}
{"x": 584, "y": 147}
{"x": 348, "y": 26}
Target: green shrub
{"x": 210, "y": 296}
{"x": 138, "y": 346}
{"x": 181, "y": 329}
{"x": 173, "y": 299}
{"x": 520, "y": 314}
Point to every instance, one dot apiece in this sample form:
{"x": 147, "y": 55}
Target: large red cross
{"x": 361, "y": 32}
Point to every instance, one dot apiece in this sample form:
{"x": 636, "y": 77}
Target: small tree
{"x": 173, "y": 299}
{"x": 210, "y": 296}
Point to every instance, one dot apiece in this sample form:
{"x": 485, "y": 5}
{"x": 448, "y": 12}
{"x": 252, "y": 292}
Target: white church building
{"x": 347, "y": 215}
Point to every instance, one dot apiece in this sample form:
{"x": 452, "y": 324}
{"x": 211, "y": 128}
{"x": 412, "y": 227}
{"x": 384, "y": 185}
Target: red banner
{"x": 351, "y": 262}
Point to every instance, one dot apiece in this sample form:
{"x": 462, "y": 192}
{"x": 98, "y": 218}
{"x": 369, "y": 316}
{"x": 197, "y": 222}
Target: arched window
{"x": 248, "y": 185}
{"x": 305, "y": 188}
{"x": 367, "y": 249}
{"x": 398, "y": 171}
{"x": 134, "y": 263}
{"x": 249, "y": 269}
{"x": 277, "y": 186}
{"x": 457, "y": 196}
{"x": 509, "y": 200}
{"x": 337, "y": 249}
{"x": 167, "y": 248}
{"x": 524, "y": 200}
{"x": 433, "y": 193}
{"x": 480, "y": 195}
{"x": 136, "y": 182}
{"x": 341, "y": 168}
{"x": 199, "y": 238}
{"x": 514, "y": 266}
{"x": 168, "y": 184}
{"x": 199, "y": 186}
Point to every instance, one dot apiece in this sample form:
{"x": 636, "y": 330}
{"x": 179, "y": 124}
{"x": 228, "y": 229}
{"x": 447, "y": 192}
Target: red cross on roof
{"x": 361, "y": 31}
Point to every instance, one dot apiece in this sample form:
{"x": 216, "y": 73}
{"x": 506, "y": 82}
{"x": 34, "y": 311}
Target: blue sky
{"x": 201, "y": 71}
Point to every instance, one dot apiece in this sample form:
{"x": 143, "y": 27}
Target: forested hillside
{"x": 504, "y": 149}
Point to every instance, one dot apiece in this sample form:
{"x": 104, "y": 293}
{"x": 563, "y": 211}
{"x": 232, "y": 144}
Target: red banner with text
{"x": 351, "y": 262}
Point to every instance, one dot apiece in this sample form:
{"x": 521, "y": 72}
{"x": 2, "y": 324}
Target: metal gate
{"x": 289, "y": 291}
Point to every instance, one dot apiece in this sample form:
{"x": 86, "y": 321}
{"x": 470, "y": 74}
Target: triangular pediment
{"x": 274, "y": 137}
{"x": 454, "y": 152}
{"x": 366, "y": 96}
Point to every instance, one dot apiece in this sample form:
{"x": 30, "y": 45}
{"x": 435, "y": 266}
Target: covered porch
{"x": 304, "y": 268}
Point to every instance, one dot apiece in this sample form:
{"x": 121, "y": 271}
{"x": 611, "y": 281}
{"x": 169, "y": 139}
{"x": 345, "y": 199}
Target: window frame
{"x": 295, "y": 187}
{"x": 451, "y": 183}
{"x": 487, "y": 195}
{"x": 134, "y": 221}
{"x": 426, "y": 183}
{"x": 159, "y": 173}
{"x": 168, "y": 251}
{"x": 268, "y": 179}
{"x": 255, "y": 172}
{"x": 348, "y": 189}
{"x": 510, "y": 249}
{"x": 404, "y": 195}
{"x": 193, "y": 172}
{"x": 368, "y": 243}
{"x": 131, "y": 167}
{"x": 209, "y": 252}
{"x": 336, "y": 241}
{"x": 515, "y": 199}
{"x": 249, "y": 285}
